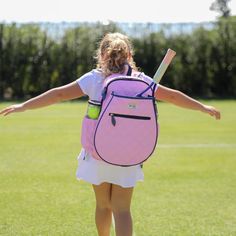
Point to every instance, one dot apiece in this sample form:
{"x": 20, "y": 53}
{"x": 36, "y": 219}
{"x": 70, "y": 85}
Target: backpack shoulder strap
{"x": 129, "y": 72}
{"x": 110, "y": 77}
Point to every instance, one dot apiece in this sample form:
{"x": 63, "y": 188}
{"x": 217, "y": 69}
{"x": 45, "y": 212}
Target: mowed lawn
{"x": 189, "y": 187}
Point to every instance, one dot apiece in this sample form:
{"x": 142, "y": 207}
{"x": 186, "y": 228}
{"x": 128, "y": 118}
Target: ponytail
{"x": 114, "y": 52}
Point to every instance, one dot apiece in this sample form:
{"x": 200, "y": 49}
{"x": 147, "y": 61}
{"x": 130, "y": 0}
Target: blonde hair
{"x": 115, "y": 51}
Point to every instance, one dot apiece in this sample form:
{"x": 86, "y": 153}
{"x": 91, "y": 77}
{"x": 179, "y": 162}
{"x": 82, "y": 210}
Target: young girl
{"x": 113, "y": 185}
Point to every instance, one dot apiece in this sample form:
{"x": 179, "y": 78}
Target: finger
{"x": 8, "y": 111}
{"x": 216, "y": 114}
{"x": 211, "y": 112}
{"x": 6, "y": 108}
{"x": 2, "y": 112}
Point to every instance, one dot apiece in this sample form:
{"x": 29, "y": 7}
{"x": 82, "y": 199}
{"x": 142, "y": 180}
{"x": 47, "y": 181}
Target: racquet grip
{"x": 164, "y": 64}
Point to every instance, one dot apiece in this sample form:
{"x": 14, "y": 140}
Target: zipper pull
{"x": 113, "y": 120}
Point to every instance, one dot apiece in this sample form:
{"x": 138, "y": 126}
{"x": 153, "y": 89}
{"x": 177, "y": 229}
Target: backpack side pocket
{"x": 87, "y": 136}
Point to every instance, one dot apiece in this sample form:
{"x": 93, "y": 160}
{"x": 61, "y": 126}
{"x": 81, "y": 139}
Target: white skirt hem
{"x": 96, "y": 172}
{"x": 110, "y": 182}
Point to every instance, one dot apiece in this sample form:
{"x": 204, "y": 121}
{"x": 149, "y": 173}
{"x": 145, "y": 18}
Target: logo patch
{"x": 132, "y": 106}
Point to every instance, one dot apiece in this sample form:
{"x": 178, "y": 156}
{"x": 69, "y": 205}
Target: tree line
{"x": 32, "y": 61}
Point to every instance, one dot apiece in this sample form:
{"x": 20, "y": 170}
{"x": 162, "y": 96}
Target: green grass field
{"x": 189, "y": 187}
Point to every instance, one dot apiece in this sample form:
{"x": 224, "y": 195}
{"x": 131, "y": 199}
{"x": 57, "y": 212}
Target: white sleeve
{"x": 86, "y": 82}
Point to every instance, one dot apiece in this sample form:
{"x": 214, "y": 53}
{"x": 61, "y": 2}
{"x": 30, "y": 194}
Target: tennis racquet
{"x": 164, "y": 64}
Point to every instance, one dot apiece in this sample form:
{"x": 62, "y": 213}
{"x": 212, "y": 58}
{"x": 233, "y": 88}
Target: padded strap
{"x": 129, "y": 73}
{"x": 151, "y": 86}
{"x": 129, "y": 70}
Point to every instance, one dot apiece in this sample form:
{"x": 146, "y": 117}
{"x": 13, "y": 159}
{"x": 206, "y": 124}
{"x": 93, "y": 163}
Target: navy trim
{"x": 100, "y": 118}
{"x": 145, "y": 90}
{"x": 104, "y": 93}
{"x": 128, "y": 79}
{"x": 153, "y": 90}
{"x": 129, "y": 70}
{"x": 154, "y": 147}
{"x": 131, "y": 97}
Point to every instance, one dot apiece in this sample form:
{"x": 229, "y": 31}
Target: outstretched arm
{"x": 180, "y": 99}
{"x": 52, "y": 96}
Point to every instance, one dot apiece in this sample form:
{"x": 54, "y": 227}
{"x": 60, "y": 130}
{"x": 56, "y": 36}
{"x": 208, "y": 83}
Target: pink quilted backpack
{"x": 126, "y": 131}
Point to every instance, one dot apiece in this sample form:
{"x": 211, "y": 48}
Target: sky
{"x": 155, "y": 11}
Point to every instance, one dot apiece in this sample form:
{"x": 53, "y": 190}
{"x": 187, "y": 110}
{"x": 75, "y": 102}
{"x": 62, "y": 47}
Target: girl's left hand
{"x": 211, "y": 111}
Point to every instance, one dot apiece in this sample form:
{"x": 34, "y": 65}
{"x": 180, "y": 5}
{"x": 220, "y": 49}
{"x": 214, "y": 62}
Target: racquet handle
{"x": 164, "y": 64}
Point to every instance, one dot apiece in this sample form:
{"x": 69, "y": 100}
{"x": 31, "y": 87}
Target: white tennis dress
{"x": 94, "y": 171}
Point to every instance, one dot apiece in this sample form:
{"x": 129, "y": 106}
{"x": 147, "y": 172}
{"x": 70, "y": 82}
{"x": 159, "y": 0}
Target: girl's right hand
{"x": 11, "y": 109}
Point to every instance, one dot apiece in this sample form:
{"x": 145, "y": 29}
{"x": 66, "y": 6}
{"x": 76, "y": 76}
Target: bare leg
{"x": 120, "y": 203}
{"x": 103, "y": 215}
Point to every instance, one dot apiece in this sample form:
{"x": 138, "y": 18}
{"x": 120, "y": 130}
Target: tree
{"x": 222, "y": 7}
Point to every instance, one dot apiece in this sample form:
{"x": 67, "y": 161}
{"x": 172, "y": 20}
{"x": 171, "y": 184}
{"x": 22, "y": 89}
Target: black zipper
{"x": 113, "y": 115}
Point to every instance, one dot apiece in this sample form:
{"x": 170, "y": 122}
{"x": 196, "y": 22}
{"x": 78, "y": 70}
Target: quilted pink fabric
{"x": 126, "y": 131}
